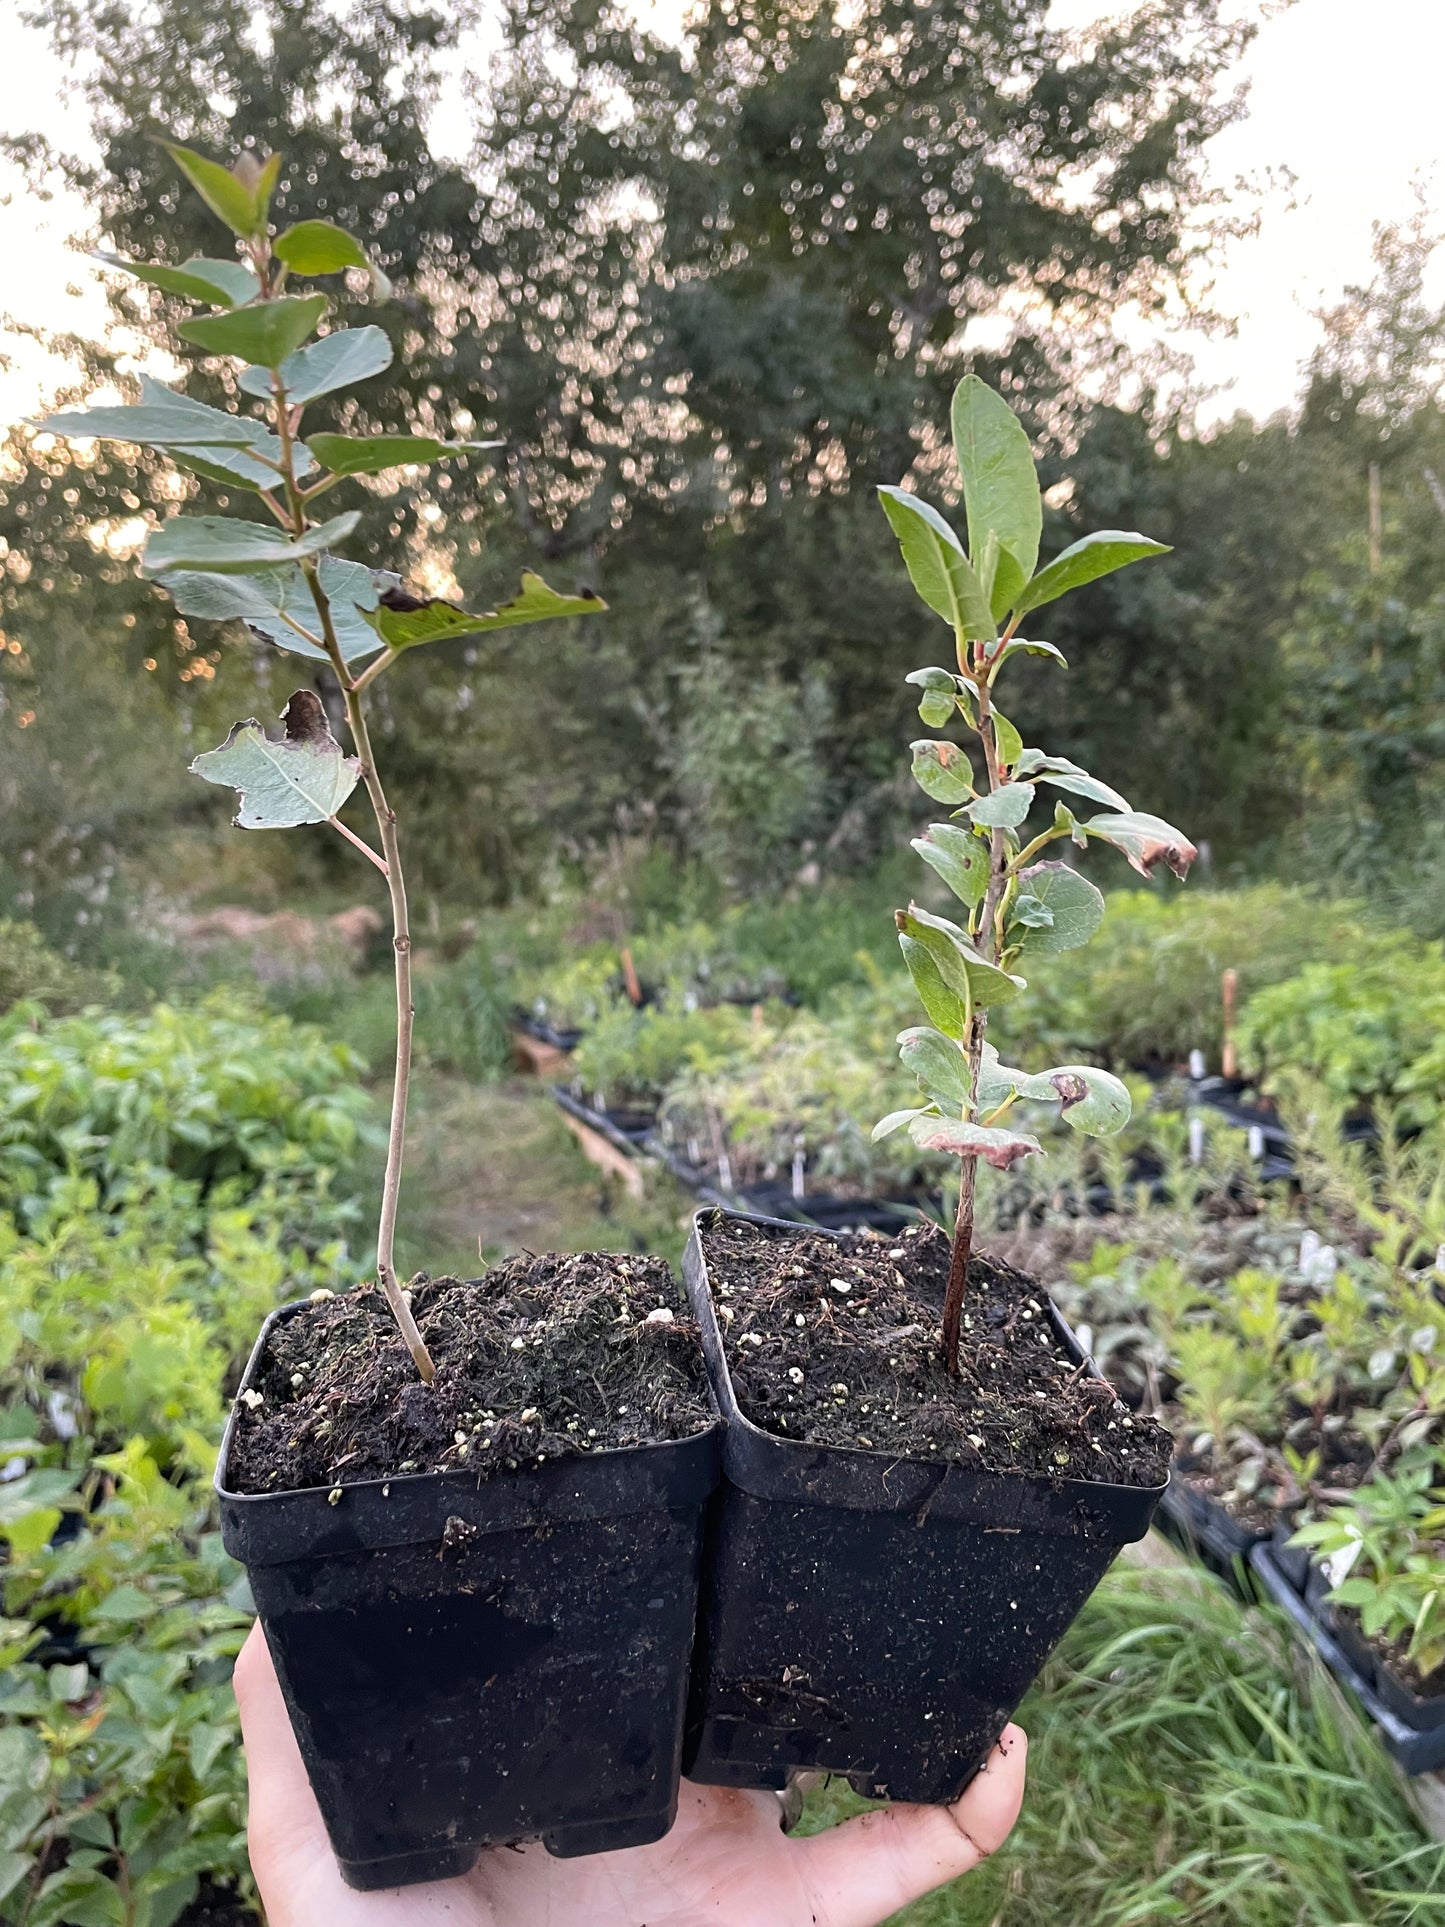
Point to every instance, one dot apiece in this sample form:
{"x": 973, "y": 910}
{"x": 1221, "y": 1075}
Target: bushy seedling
{"x": 1386, "y": 1552}
{"x": 1018, "y": 903}
{"x": 285, "y": 578}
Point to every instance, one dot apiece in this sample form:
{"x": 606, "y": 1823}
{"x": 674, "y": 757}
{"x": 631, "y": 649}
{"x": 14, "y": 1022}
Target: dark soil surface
{"x": 1256, "y": 1513}
{"x": 540, "y": 1358}
{"x": 1394, "y": 1654}
{"x": 836, "y": 1342}
{"x": 217, "y": 1907}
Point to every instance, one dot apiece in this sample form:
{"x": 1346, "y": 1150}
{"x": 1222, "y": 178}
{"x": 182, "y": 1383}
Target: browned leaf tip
{"x": 305, "y": 719}
{"x": 1070, "y": 1086}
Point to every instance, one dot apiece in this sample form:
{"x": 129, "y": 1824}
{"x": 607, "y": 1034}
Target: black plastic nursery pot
{"x": 1411, "y": 1729}
{"x": 877, "y": 1617}
{"x": 468, "y": 1663}
{"x": 1199, "y": 1525}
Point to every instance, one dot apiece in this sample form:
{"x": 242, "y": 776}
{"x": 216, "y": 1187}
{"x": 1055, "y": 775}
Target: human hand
{"x": 725, "y": 1860}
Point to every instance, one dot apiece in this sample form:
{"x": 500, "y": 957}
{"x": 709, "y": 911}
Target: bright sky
{"x": 1344, "y": 96}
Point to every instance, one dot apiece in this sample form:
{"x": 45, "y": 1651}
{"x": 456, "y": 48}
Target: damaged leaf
{"x": 304, "y": 777}
{"x": 404, "y": 622}
{"x": 1147, "y": 841}
{"x": 942, "y": 771}
{"x": 956, "y": 1136}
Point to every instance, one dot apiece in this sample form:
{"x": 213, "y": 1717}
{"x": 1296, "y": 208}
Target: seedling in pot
{"x": 1018, "y": 903}
{"x": 283, "y": 577}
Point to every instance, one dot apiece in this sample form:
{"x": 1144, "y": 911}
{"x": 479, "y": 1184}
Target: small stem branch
{"x": 364, "y": 847}
{"x": 286, "y": 419}
{"x": 374, "y": 669}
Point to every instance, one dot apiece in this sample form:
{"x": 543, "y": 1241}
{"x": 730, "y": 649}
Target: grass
{"x": 1188, "y": 1764}
{"x": 492, "y": 1168}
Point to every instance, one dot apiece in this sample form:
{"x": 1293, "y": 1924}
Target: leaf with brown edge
{"x": 1146, "y": 840}
{"x": 942, "y": 771}
{"x": 958, "y": 1138}
{"x": 404, "y": 622}
{"x": 303, "y": 778}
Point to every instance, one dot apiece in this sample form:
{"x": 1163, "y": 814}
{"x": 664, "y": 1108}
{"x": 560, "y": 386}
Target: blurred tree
{"x": 706, "y": 287}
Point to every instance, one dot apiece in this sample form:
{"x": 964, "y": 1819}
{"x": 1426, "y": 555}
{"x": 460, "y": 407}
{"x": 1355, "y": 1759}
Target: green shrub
{"x": 1151, "y": 991}
{"x": 220, "y": 1096}
{"x": 1367, "y": 1028}
{"x": 635, "y": 1056}
{"x": 31, "y": 972}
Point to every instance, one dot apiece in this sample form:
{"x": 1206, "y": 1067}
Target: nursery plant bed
{"x": 563, "y": 1039}
{"x": 872, "y": 1606}
{"x": 1200, "y": 1525}
{"x": 1418, "y": 1748}
{"x": 480, "y": 1594}
{"x": 629, "y": 1127}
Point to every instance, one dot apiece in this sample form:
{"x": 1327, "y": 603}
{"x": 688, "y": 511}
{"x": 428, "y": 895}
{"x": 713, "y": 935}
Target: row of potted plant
{"x": 526, "y": 1547}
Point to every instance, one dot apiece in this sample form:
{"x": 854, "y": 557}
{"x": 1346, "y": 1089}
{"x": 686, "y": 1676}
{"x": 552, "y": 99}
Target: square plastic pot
{"x": 472, "y": 1663}
{"x": 877, "y": 1617}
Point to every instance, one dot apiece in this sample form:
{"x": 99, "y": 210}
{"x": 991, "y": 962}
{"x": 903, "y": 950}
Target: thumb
{"x": 861, "y": 1872}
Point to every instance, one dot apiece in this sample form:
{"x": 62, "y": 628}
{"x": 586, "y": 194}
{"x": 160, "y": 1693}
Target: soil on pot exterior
{"x": 836, "y": 1342}
{"x": 540, "y": 1359}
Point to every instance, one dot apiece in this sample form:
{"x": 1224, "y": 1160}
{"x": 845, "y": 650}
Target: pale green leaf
{"x": 304, "y": 777}
{"x": 1092, "y": 1101}
{"x": 1065, "y": 775}
{"x": 938, "y": 1062}
{"x": 222, "y": 545}
{"x": 319, "y": 247}
{"x": 13, "y": 1869}
{"x": 351, "y": 590}
{"x": 1076, "y": 907}
{"x": 1000, "y": 486}
{"x": 895, "y": 1121}
{"x": 222, "y": 284}
{"x": 264, "y": 331}
{"x": 944, "y": 1005}
{"x": 959, "y": 857}
{"x": 1146, "y": 840}
{"x": 335, "y": 361}
{"x": 937, "y": 565}
{"x": 1003, "y": 809}
{"x": 1085, "y": 561}
{"x": 942, "y": 771}
{"x": 958, "y": 963}
{"x": 1021, "y": 645}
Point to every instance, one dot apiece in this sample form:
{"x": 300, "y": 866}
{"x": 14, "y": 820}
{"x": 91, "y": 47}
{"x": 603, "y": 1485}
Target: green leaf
{"x": 1147, "y": 841}
{"x": 226, "y": 192}
{"x": 1092, "y": 1101}
{"x": 895, "y": 1121}
{"x": 350, "y": 588}
{"x": 937, "y": 679}
{"x": 1021, "y": 645}
{"x": 1031, "y": 912}
{"x": 335, "y": 361}
{"x": 942, "y": 771}
{"x": 223, "y": 284}
{"x": 1010, "y": 743}
{"x": 45, "y": 1488}
{"x": 937, "y": 565}
{"x": 959, "y": 964}
{"x": 937, "y": 710}
{"x": 319, "y": 247}
{"x": 1077, "y": 908}
{"x": 303, "y": 778}
{"x": 1065, "y": 775}
{"x": 1085, "y": 561}
{"x": 369, "y": 454}
{"x": 13, "y": 1869}
{"x": 404, "y": 623}
{"x": 1000, "y": 486}
{"x": 937, "y": 1062}
{"x": 264, "y": 331}
{"x": 222, "y": 545}
{"x": 960, "y": 1139}
{"x": 944, "y": 1005}
{"x": 1003, "y": 809}
{"x": 959, "y": 857}
{"x": 181, "y": 427}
